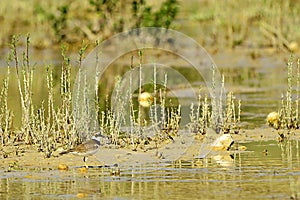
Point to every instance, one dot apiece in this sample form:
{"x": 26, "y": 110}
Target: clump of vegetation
{"x": 54, "y": 124}
{"x": 99, "y": 19}
{"x": 142, "y": 133}
{"x": 263, "y": 24}
{"x": 73, "y": 21}
{"x": 48, "y": 126}
{"x": 57, "y": 20}
{"x": 228, "y": 118}
{"x": 227, "y": 27}
{"x": 5, "y": 112}
{"x": 289, "y": 111}
{"x": 287, "y": 119}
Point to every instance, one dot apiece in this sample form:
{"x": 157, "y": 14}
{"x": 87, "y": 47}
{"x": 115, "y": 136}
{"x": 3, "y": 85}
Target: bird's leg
{"x": 84, "y": 160}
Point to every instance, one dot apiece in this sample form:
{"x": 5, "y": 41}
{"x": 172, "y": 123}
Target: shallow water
{"x": 265, "y": 170}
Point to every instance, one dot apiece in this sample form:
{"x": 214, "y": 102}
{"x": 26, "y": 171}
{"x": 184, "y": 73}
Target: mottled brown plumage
{"x": 87, "y": 148}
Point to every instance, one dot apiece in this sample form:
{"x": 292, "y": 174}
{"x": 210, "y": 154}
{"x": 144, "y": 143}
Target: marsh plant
{"x": 151, "y": 121}
{"x": 53, "y": 124}
{"x": 5, "y": 112}
{"x": 202, "y": 117}
{"x": 164, "y": 120}
{"x": 288, "y": 116}
{"x": 47, "y": 126}
{"x": 24, "y": 72}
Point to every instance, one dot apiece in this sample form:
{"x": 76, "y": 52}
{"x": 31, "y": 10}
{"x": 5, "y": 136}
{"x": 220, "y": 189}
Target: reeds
{"x": 24, "y": 73}
{"x": 150, "y": 123}
{"x": 5, "y": 113}
{"x": 48, "y": 126}
{"x": 56, "y": 123}
{"x": 223, "y": 120}
{"x": 200, "y": 118}
{"x": 289, "y": 111}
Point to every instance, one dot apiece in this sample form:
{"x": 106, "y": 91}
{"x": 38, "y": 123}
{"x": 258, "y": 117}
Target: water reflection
{"x": 251, "y": 174}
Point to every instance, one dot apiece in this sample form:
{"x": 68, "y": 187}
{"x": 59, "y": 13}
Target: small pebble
{"x": 82, "y": 169}
{"x": 63, "y": 167}
{"x": 82, "y": 195}
{"x": 242, "y": 148}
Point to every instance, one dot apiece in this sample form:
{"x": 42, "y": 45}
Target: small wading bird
{"x": 87, "y": 148}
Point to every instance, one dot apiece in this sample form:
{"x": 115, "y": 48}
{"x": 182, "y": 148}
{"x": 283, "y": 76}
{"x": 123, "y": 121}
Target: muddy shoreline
{"x": 26, "y": 157}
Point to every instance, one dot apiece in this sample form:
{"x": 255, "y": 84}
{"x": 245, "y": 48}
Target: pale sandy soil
{"x": 184, "y": 147}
